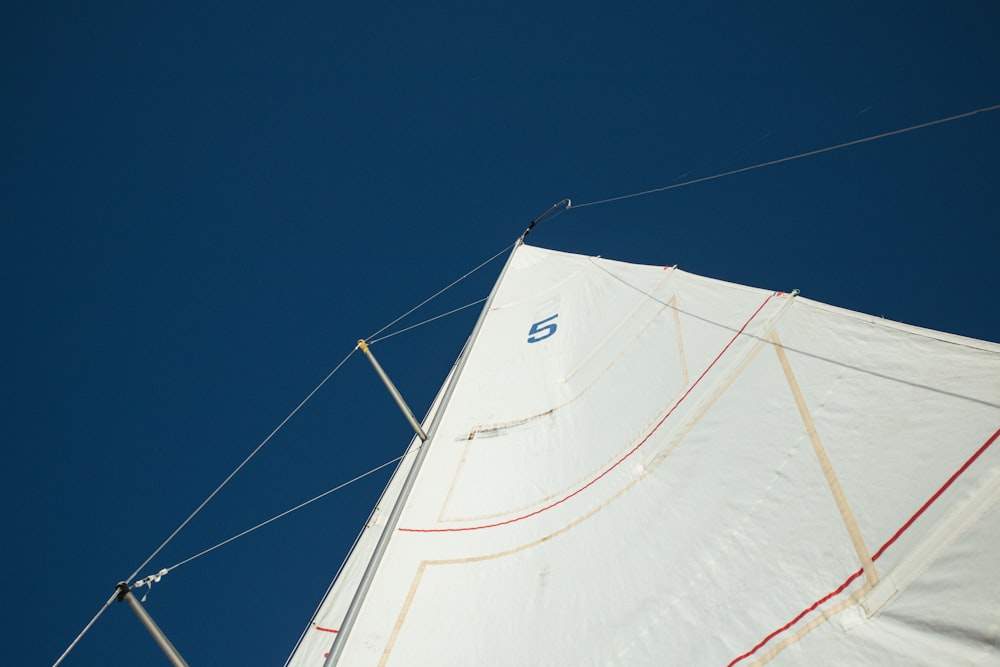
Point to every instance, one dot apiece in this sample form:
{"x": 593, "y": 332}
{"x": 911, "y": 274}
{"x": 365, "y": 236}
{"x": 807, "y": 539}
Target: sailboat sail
{"x": 642, "y": 466}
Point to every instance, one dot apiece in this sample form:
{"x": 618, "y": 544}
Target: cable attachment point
{"x": 148, "y": 582}
{"x": 549, "y": 212}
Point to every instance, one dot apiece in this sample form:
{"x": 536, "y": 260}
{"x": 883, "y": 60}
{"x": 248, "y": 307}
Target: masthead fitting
{"x": 549, "y": 212}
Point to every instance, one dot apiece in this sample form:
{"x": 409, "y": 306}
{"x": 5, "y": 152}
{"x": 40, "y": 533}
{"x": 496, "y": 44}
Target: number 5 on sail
{"x": 539, "y": 331}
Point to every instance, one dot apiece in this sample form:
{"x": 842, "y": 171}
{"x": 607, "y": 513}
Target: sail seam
{"x": 485, "y": 557}
{"x": 921, "y": 556}
{"x": 916, "y": 515}
{"x": 844, "y": 507}
{"x": 823, "y": 617}
{"x": 721, "y": 384}
{"x": 442, "y": 517}
{"x": 398, "y": 627}
{"x": 620, "y": 460}
{"x": 672, "y": 303}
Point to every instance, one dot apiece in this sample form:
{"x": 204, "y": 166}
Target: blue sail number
{"x": 542, "y": 329}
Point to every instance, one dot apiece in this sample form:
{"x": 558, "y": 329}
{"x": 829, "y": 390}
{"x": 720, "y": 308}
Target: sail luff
{"x": 342, "y": 636}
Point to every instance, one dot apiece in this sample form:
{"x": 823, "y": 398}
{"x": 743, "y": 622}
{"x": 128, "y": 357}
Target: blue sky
{"x": 206, "y": 206}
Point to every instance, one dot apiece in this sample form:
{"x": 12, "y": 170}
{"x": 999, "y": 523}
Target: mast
{"x": 340, "y": 641}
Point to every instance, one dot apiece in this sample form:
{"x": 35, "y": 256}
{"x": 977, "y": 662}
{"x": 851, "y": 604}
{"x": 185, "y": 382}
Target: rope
{"x": 790, "y": 158}
{"x": 240, "y": 466}
{"x": 85, "y": 629}
{"x": 439, "y": 292}
{"x": 420, "y": 324}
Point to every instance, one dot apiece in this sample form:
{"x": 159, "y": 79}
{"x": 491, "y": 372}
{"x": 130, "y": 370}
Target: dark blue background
{"x": 206, "y": 206}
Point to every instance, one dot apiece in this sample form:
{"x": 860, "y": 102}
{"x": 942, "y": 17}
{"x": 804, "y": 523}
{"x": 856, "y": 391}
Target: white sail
{"x": 640, "y": 466}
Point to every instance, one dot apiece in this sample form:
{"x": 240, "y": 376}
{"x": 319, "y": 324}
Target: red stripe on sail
{"x": 898, "y": 533}
{"x": 613, "y": 465}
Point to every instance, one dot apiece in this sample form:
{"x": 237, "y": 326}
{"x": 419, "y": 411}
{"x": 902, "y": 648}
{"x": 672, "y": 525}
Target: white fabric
{"x": 640, "y": 487}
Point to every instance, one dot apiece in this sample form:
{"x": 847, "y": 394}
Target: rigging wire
{"x": 292, "y": 414}
{"x": 770, "y": 163}
{"x": 347, "y": 556}
{"x": 73, "y": 644}
{"x": 428, "y": 321}
{"x": 285, "y": 513}
{"x": 440, "y": 292}
{"x": 301, "y": 404}
{"x": 842, "y": 364}
{"x": 241, "y": 465}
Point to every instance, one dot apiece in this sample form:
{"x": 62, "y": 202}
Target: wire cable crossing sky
{"x": 798, "y": 156}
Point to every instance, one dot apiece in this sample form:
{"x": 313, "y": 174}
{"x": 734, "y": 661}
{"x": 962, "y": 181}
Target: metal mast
{"x": 350, "y": 617}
